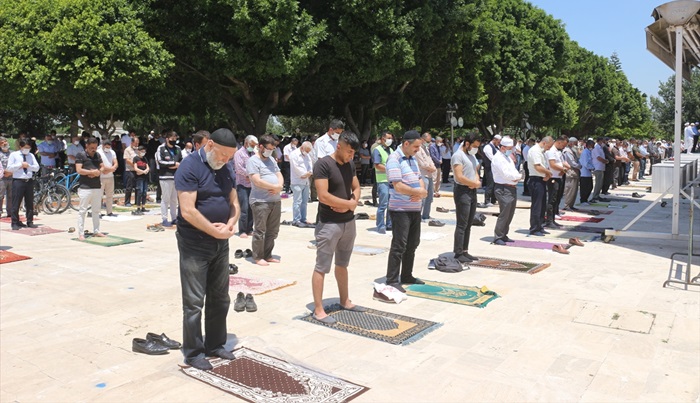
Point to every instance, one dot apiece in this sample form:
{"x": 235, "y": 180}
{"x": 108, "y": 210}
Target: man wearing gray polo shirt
{"x": 265, "y": 201}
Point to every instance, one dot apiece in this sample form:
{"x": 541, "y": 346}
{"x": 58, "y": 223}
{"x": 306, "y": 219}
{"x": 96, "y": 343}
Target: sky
{"x": 604, "y": 27}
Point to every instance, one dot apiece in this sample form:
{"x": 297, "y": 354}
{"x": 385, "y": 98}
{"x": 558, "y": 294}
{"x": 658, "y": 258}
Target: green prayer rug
{"x": 378, "y": 325}
{"x": 109, "y": 240}
{"x": 454, "y": 293}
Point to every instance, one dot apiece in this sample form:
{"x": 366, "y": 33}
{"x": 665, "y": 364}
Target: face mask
{"x": 212, "y": 163}
{"x": 142, "y": 154}
{"x": 251, "y": 149}
{"x": 76, "y": 142}
{"x": 508, "y": 152}
{"x": 473, "y": 151}
{"x": 267, "y": 153}
{"x": 49, "y": 141}
{"x": 389, "y": 142}
{"x": 25, "y": 151}
{"x": 364, "y": 145}
{"x": 335, "y": 136}
{"x": 107, "y": 149}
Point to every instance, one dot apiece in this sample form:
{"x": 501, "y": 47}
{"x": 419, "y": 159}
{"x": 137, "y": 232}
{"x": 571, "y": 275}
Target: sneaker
{"x": 239, "y": 305}
{"x": 436, "y": 223}
{"x": 167, "y": 223}
{"x": 111, "y": 215}
{"x": 250, "y": 305}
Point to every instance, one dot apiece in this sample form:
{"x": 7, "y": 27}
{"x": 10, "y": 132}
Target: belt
{"x": 23, "y": 180}
{"x": 536, "y": 178}
{"x": 506, "y": 185}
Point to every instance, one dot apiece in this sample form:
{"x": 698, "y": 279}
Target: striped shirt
{"x": 400, "y": 168}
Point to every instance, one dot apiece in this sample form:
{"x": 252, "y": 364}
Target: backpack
{"x": 447, "y": 264}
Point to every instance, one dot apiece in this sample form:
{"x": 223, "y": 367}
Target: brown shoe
{"x": 560, "y": 249}
{"x": 575, "y": 241}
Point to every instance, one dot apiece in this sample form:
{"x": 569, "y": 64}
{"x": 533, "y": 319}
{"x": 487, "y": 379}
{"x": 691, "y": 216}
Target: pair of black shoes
{"x": 154, "y": 344}
{"x": 22, "y": 225}
{"x": 203, "y": 364}
{"x": 502, "y": 241}
{"x": 241, "y": 253}
{"x": 244, "y": 303}
{"x": 465, "y": 258}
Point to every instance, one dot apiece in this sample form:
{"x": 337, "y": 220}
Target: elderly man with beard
{"x": 505, "y": 176}
{"x": 207, "y": 216}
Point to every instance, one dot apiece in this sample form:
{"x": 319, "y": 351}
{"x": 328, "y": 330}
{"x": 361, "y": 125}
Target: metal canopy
{"x": 660, "y": 39}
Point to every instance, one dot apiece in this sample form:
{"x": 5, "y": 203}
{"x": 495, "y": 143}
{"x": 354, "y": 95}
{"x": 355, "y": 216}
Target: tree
{"x": 663, "y": 107}
{"x": 90, "y": 59}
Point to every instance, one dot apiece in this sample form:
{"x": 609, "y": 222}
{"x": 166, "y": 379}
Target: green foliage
{"x": 663, "y": 107}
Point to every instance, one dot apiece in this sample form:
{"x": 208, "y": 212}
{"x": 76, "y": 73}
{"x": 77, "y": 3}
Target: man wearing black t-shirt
{"x": 207, "y": 217}
{"x": 338, "y": 192}
{"x": 89, "y": 165}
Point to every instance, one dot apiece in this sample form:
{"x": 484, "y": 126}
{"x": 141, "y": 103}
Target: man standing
{"x": 265, "y": 200}
{"x": 22, "y": 164}
{"x": 89, "y": 166}
{"x": 587, "y": 169}
{"x": 240, "y": 159}
{"x": 207, "y": 217}
{"x": 301, "y": 168}
{"x": 365, "y": 163}
{"x": 407, "y": 192}
{"x": 286, "y": 171}
{"x": 488, "y": 152}
{"x": 505, "y": 178}
{"x": 539, "y": 176}
{"x": 379, "y": 156}
{"x": 696, "y": 136}
{"x": 338, "y": 193}
{"x": 6, "y": 178}
{"x": 151, "y": 151}
{"x": 48, "y": 151}
{"x": 168, "y": 158}
{"x": 427, "y": 169}
{"x": 467, "y": 181}
{"x": 572, "y": 175}
{"x": 558, "y": 167}
{"x": 129, "y": 176}
{"x": 599, "y": 163}
{"x": 688, "y": 138}
{"x": 526, "y": 168}
{"x": 608, "y": 176}
{"x": 109, "y": 161}
{"x": 437, "y": 161}
{"x": 326, "y": 144}
{"x": 72, "y": 151}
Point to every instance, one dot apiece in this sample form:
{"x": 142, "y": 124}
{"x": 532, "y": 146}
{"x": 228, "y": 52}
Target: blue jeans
{"x": 141, "y": 189}
{"x": 382, "y": 210}
{"x": 245, "y": 220}
{"x": 428, "y": 201}
{"x": 301, "y": 198}
{"x": 642, "y": 168}
{"x": 203, "y": 273}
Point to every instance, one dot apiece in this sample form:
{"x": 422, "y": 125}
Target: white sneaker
{"x": 585, "y": 204}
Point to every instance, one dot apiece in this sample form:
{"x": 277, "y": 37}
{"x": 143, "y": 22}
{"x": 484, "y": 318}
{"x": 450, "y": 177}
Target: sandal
{"x": 328, "y": 320}
{"x": 238, "y": 254}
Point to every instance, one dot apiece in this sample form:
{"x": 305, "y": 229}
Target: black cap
{"x": 411, "y": 135}
{"x": 224, "y": 137}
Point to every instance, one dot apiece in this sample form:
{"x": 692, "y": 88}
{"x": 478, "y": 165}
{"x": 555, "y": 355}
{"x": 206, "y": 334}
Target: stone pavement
{"x": 595, "y": 326}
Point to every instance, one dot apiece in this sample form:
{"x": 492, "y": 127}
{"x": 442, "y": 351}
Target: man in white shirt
{"x": 558, "y": 167}
{"x": 505, "y": 177}
{"x": 526, "y": 168}
{"x": 301, "y": 166}
{"x": 110, "y": 164}
{"x": 22, "y": 164}
{"x": 539, "y": 176}
{"x": 287, "y": 151}
{"x": 427, "y": 170}
{"x": 326, "y": 144}
{"x": 689, "y": 135}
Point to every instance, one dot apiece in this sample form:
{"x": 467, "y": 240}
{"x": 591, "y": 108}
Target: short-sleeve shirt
{"x": 89, "y": 163}
{"x": 213, "y": 193}
{"x": 340, "y": 179}
{"x": 598, "y": 152}
{"x": 267, "y": 169}
{"x": 140, "y": 163}
{"x": 468, "y": 163}
{"x": 52, "y": 148}
{"x": 129, "y": 154}
{"x": 365, "y": 152}
{"x": 400, "y": 168}
{"x": 535, "y": 156}
{"x": 556, "y": 155}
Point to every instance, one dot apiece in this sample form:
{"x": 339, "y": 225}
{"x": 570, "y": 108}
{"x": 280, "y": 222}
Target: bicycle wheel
{"x": 59, "y": 197}
{"x": 74, "y": 198}
{"x": 50, "y": 203}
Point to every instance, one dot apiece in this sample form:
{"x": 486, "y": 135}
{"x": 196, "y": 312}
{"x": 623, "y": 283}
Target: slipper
{"x": 238, "y": 254}
{"x": 560, "y": 249}
{"x": 71, "y": 230}
{"x": 328, "y": 320}
{"x": 355, "y": 308}
{"x": 637, "y": 195}
{"x": 362, "y": 216}
{"x": 575, "y": 241}
{"x": 436, "y": 195}
{"x": 442, "y": 210}
{"x": 248, "y": 253}
{"x": 232, "y": 269}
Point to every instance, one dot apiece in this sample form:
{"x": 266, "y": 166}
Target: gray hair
{"x": 250, "y": 138}
{"x": 306, "y": 145}
{"x": 548, "y": 139}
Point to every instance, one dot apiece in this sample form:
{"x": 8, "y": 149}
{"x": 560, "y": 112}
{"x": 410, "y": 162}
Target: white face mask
{"x": 267, "y": 153}
{"x": 508, "y": 153}
{"x": 212, "y": 163}
{"x": 389, "y": 142}
{"x": 473, "y": 151}
{"x": 106, "y": 149}
{"x": 76, "y": 142}
{"x": 25, "y": 151}
{"x": 335, "y": 136}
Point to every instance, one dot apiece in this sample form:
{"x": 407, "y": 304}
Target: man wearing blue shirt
{"x": 48, "y": 150}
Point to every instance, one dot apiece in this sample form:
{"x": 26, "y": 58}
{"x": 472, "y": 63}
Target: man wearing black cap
{"x": 207, "y": 215}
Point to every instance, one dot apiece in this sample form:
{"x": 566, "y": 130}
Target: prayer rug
{"x": 9, "y": 257}
{"x": 121, "y": 218}
{"x": 454, "y": 293}
{"x": 378, "y": 325}
{"x": 583, "y": 228}
{"x": 622, "y": 199}
{"x": 608, "y": 205}
{"x": 8, "y": 220}
{"x": 257, "y": 377}
{"x": 508, "y": 265}
{"x": 256, "y": 285}
{"x": 109, "y": 240}
{"x": 580, "y": 219}
{"x": 521, "y": 243}
{"x": 42, "y": 230}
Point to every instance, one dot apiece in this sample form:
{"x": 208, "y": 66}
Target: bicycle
{"x": 50, "y": 197}
{"x": 70, "y": 183}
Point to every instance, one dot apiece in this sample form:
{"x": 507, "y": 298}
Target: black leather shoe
{"x": 148, "y": 347}
{"x": 164, "y": 340}
{"x": 222, "y": 353}
{"x": 239, "y": 304}
{"x": 463, "y": 259}
{"x": 31, "y": 225}
{"x": 15, "y": 227}
{"x": 250, "y": 305}
{"x": 200, "y": 363}
{"x": 500, "y": 242}
{"x": 412, "y": 280}
{"x": 22, "y": 225}
{"x": 469, "y": 256}
{"x": 506, "y": 239}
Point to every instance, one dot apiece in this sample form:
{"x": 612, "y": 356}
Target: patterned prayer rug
{"x": 580, "y": 219}
{"x": 454, "y": 293}
{"x": 522, "y": 243}
{"x": 508, "y": 265}
{"x": 256, "y": 377}
{"x": 9, "y": 257}
{"x": 8, "y": 220}
{"x": 109, "y": 240}
{"x": 256, "y": 285}
{"x": 379, "y": 325}
{"x": 42, "y": 230}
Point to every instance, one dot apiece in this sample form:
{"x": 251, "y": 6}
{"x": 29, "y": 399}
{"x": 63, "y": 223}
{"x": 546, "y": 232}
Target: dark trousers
{"x": 22, "y": 190}
{"x": 364, "y": 174}
{"x": 129, "y": 181}
{"x": 141, "y": 190}
{"x": 374, "y": 194}
{"x": 465, "y": 203}
{"x": 245, "y": 220}
{"x": 8, "y": 196}
{"x": 285, "y": 175}
{"x": 608, "y": 177}
{"x": 404, "y": 241}
{"x": 314, "y": 196}
{"x": 153, "y": 178}
{"x": 526, "y": 189}
{"x": 203, "y": 275}
{"x": 445, "y": 171}
{"x": 538, "y": 195}
{"x": 488, "y": 183}
{"x": 586, "y": 188}
{"x": 507, "y": 197}
{"x": 266, "y": 226}
{"x": 553, "y": 198}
